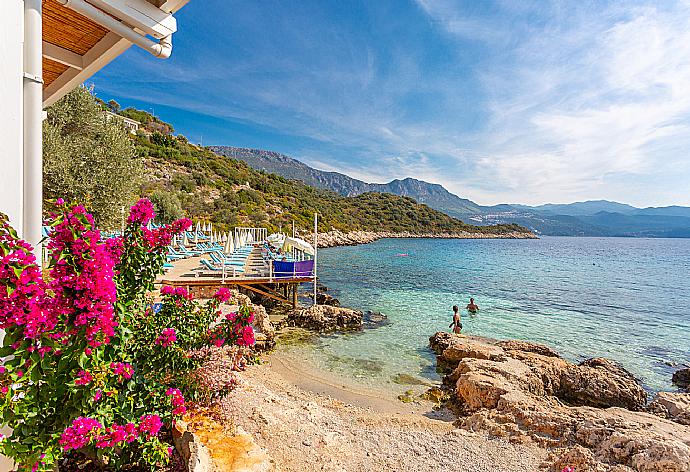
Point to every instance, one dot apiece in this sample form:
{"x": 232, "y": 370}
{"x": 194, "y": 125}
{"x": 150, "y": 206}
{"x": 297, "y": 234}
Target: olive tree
{"x": 88, "y": 158}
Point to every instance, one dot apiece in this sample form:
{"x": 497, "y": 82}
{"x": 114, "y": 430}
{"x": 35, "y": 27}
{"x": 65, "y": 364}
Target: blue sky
{"x": 499, "y": 101}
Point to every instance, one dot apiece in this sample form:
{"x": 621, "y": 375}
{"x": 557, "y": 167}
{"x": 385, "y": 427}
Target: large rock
{"x": 324, "y": 318}
{"x": 682, "y": 378}
{"x": 674, "y": 406}
{"x": 601, "y": 383}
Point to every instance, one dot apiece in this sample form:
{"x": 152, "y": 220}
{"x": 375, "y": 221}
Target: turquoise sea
{"x": 626, "y": 299}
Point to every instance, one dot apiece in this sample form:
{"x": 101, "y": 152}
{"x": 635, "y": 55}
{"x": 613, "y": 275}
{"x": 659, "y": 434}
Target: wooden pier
{"x": 203, "y": 284}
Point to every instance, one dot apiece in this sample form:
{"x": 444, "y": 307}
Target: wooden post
{"x": 294, "y": 296}
{"x": 316, "y": 243}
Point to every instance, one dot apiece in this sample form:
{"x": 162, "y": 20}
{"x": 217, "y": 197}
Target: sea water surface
{"x": 622, "y": 298}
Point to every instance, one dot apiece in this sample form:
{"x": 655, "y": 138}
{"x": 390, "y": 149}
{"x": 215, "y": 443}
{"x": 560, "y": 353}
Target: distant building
{"x": 130, "y": 124}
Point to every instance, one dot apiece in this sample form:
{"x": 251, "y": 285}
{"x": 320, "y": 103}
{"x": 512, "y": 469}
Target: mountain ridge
{"x": 290, "y": 168}
{"x": 584, "y": 218}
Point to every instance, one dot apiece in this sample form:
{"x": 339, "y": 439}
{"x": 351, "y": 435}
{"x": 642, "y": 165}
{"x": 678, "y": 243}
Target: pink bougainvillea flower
{"x": 223, "y": 294}
{"x": 167, "y": 337}
{"x": 83, "y": 378}
{"x": 177, "y": 401}
{"x": 141, "y": 212}
{"x": 122, "y": 370}
{"x": 247, "y": 337}
{"x": 150, "y": 425}
{"x": 79, "y": 434}
{"x": 167, "y": 290}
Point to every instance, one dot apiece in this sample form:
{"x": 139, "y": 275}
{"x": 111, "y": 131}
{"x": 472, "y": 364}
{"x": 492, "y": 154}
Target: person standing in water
{"x": 457, "y": 323}
{"x": 472, "y": 307}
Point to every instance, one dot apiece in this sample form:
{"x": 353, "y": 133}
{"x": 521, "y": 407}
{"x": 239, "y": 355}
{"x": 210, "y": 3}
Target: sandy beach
{"x": 307, "y": 421}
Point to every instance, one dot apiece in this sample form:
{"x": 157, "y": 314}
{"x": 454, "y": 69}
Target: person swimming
{"x": 472, "y": 307}
{"x": 457, "y": 323}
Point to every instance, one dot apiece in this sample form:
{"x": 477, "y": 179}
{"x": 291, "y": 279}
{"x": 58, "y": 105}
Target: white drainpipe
{"x": 161, "y": 49}
{"x": 32, "y": 220}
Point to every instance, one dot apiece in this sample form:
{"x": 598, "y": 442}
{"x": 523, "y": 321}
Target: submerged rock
{"x": 681, "y": 378}
{"x": 324, "y": 318}
{"x": 374, "y": 319}
{"x": 526, "y": 392}
{"x": 407, "y": 379}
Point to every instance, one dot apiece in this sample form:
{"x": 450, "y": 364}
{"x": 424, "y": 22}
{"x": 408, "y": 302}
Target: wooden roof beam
{"x": 95, "y": 59}
{"x": 63, "y": 56}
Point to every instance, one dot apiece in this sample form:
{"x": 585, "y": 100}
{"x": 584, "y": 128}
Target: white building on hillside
{"x": 128, "y": 123}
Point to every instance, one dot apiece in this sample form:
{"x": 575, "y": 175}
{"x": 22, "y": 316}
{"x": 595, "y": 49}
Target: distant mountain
{"x": 588, "y": 208}
{"x": 433, "y": 195}
{"x": 588, "y": 218}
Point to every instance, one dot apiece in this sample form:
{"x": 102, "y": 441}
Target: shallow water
{"x": 626, "y": 299}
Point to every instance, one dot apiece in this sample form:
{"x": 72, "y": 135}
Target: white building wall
{"x": 11, "y": 105}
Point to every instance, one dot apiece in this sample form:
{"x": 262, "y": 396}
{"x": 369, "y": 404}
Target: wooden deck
{"x": 203, "y": 283}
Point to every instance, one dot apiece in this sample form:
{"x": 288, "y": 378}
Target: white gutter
{"x": 32, "y": 210}
{"x": 161, "y": 49}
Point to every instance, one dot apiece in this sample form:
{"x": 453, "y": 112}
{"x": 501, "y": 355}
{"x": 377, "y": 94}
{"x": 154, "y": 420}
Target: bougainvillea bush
{"x": 90, "y": 368}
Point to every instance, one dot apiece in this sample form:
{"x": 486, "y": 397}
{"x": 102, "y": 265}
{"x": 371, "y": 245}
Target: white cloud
{"x": 577, "y": 123}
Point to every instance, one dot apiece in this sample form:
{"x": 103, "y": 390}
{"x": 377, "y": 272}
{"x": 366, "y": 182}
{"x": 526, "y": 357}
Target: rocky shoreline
{"x": 338, "y": 238}
{"x": 592, "y": 416}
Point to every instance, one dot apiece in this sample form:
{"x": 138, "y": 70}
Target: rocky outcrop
{"x": 324, "y": 318}
{"x": 352, "y": 238}
{"x": 681, "y": 378}
{"x": 527, "y": 393}
{"x": 595, "y": 382}
{"x": 674, "y": 406}
{"x": 324, "y": 299}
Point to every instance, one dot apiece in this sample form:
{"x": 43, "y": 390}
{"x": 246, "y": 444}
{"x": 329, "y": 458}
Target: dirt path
{"x": 306, "y": 423}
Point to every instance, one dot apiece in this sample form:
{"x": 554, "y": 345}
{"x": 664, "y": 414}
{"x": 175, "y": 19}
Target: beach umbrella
{"x": 210, "y": 226}
{"x": 185, "y": 239}
{"x": 198, "y": 226}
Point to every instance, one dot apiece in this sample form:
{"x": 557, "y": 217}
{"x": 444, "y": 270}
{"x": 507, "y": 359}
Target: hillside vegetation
{"x": 230, "y": 193}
